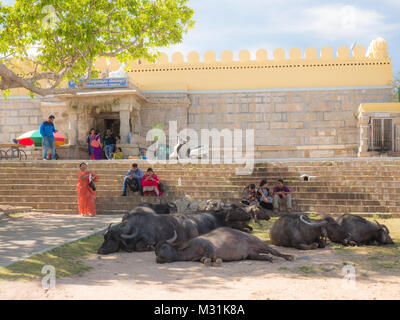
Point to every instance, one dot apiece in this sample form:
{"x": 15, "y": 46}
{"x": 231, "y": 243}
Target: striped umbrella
{"x": 34, "y": 137}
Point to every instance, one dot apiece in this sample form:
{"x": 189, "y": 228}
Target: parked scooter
{"x": 200, "y": 152}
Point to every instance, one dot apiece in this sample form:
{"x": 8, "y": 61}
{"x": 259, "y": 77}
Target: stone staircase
{"x": 336, "y": 187}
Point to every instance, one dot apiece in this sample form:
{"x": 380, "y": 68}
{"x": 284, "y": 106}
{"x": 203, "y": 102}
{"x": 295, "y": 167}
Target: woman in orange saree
{"x": 86, "y": 195}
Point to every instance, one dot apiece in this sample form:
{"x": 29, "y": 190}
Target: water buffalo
{"x": 222, "y": 244}
{"x": 298, "y": 231}
{"x": 142, "y": 228}
{"x": 363, "y": 231}
{"x": 256, "y": 213}
{"x": 161, "y": 208}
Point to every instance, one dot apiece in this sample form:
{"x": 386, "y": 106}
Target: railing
{"x": 12, "y": 151}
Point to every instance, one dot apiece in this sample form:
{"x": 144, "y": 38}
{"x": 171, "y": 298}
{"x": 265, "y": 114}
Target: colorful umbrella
{"x": 34, "y": 137}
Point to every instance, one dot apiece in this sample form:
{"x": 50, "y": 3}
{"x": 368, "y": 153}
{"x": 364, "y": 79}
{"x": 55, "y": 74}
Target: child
{"x": 118, "y": 155}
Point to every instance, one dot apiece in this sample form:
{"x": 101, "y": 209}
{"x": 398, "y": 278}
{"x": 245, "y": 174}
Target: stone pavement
{"x": 33, "y": 233}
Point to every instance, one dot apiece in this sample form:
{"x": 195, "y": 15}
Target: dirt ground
{"x": 314, "y": 274}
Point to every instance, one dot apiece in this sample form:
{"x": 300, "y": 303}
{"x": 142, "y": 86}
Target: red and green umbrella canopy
{"x": 34, "y": 137}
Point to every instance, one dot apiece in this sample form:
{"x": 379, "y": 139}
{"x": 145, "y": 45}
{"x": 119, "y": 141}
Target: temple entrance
{"x": 107, "y": 120}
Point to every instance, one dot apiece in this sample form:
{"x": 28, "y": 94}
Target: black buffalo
{"x": 222, "y": 244}
{"x": 363, "y": 231}
{"x": 161, "y": 208}
{"x": 142, "y": 228}
{"x": 298, "y": 231}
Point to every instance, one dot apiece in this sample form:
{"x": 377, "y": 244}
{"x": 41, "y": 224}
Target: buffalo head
{"x": 172, "y": 207}
{"x": 165, "y": 250}
{"x": 330, "y": 228}
{"x": 234, "y": 212}
{"x": 115, "y": 238}
{"x": 383, "y": 234}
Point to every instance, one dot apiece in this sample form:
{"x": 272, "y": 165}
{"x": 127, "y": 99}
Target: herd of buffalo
{"x": 222, "y": 233}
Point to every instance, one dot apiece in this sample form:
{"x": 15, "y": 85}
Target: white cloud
{"x": 344, "y": 22}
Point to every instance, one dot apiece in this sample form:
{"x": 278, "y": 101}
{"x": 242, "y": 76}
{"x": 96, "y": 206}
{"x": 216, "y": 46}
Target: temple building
{"x": 300, "y": 105}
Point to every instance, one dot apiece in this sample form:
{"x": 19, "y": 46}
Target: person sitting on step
{"x": 135, "y": 173}
{"x": 151, "y": 183}
{"x": 282, "y": 195}
{"x": 118, "y": 154}
{"x": 264, "y": 196}
{"x": 249, "y": 195}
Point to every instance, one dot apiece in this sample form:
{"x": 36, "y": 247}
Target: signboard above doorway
{"x": 102, "y": 83}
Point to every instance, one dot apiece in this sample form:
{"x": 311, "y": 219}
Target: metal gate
{"x": 381, "y": 135}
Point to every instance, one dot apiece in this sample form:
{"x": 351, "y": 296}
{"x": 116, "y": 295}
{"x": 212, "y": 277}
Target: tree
{"x": 61, "y": 39}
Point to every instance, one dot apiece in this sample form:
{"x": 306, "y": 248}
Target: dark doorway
{"x": 113, "y": 124}
{"x": 107, "y": 120}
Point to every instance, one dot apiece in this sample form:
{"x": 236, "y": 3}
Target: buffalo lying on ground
{"x": 256, "y": 213}
{"x": 161, "y": 208}
{"x": 298, "y": 231}
{"x": 363, "y": 231}
{"x": 222, "y": 244}
{"x": 142, "y": 228}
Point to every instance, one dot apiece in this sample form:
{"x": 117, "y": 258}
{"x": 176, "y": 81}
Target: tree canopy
{"x": 61, "y": 39}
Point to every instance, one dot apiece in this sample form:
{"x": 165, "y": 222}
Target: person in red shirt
{"x": 151, "y": 183}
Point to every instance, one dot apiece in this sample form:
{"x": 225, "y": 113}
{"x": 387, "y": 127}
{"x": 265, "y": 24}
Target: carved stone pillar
{"x": 73, "y": 128}
{"x": 364, "y": 126}
{"x": 125, "y": 129}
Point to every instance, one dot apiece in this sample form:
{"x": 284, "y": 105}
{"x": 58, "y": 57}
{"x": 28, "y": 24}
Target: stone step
{"x": 236, "y": 193}
{"x": 302, "y": 187}
{"x": 341, "y": 186}
{"x": 290, "y": 171}
{"x": 6, "y": 179}
{"x": 145, "y": 163}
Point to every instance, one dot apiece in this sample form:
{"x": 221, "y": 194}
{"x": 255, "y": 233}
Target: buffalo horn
{"x": 313, "y": 224}
{"x": 130, "y": 236}
{"x": 171, "y": 241}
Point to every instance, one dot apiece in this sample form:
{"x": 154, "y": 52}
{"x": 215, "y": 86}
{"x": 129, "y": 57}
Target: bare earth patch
{"x": 315, "y": 274}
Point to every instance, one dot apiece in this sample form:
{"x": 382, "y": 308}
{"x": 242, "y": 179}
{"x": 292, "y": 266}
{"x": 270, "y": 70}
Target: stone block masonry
{"x": 303, "y": 123}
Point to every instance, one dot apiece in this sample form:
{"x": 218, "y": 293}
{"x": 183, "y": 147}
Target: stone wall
{"x": 296, "y": 123}
{"x": 18, "y": 116}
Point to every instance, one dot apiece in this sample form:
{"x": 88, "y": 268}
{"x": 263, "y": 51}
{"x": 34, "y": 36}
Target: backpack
{"x": 133, "y": 185}
{"x": 95, "y": 143}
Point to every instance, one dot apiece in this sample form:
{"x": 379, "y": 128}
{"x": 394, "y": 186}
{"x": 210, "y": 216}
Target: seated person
{"x": 249, "y": 195}
{"x": 264, "y": 196}
{"x": 118, "y": 154}
{"x": 151, "y": 183}
{"x": 134, "y": 173}
{"x": 282, "y": 193}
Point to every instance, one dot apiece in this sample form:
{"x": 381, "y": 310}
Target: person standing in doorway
{"x": 109, "y": 143}
{"x": 47, "y": 131}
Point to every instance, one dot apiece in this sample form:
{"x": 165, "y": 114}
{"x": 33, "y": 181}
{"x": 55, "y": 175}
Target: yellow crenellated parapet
{"x": 281, "y": 69}
{"x": 278, "y": 69}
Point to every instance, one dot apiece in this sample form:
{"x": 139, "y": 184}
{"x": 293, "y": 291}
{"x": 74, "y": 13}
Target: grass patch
{"x": 308, "y": 269}
{"x": 375, "y": 257}
{"x": 66, "y": 260}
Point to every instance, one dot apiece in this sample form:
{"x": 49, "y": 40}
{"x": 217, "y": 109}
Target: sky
{"x": 270, "y": 24}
